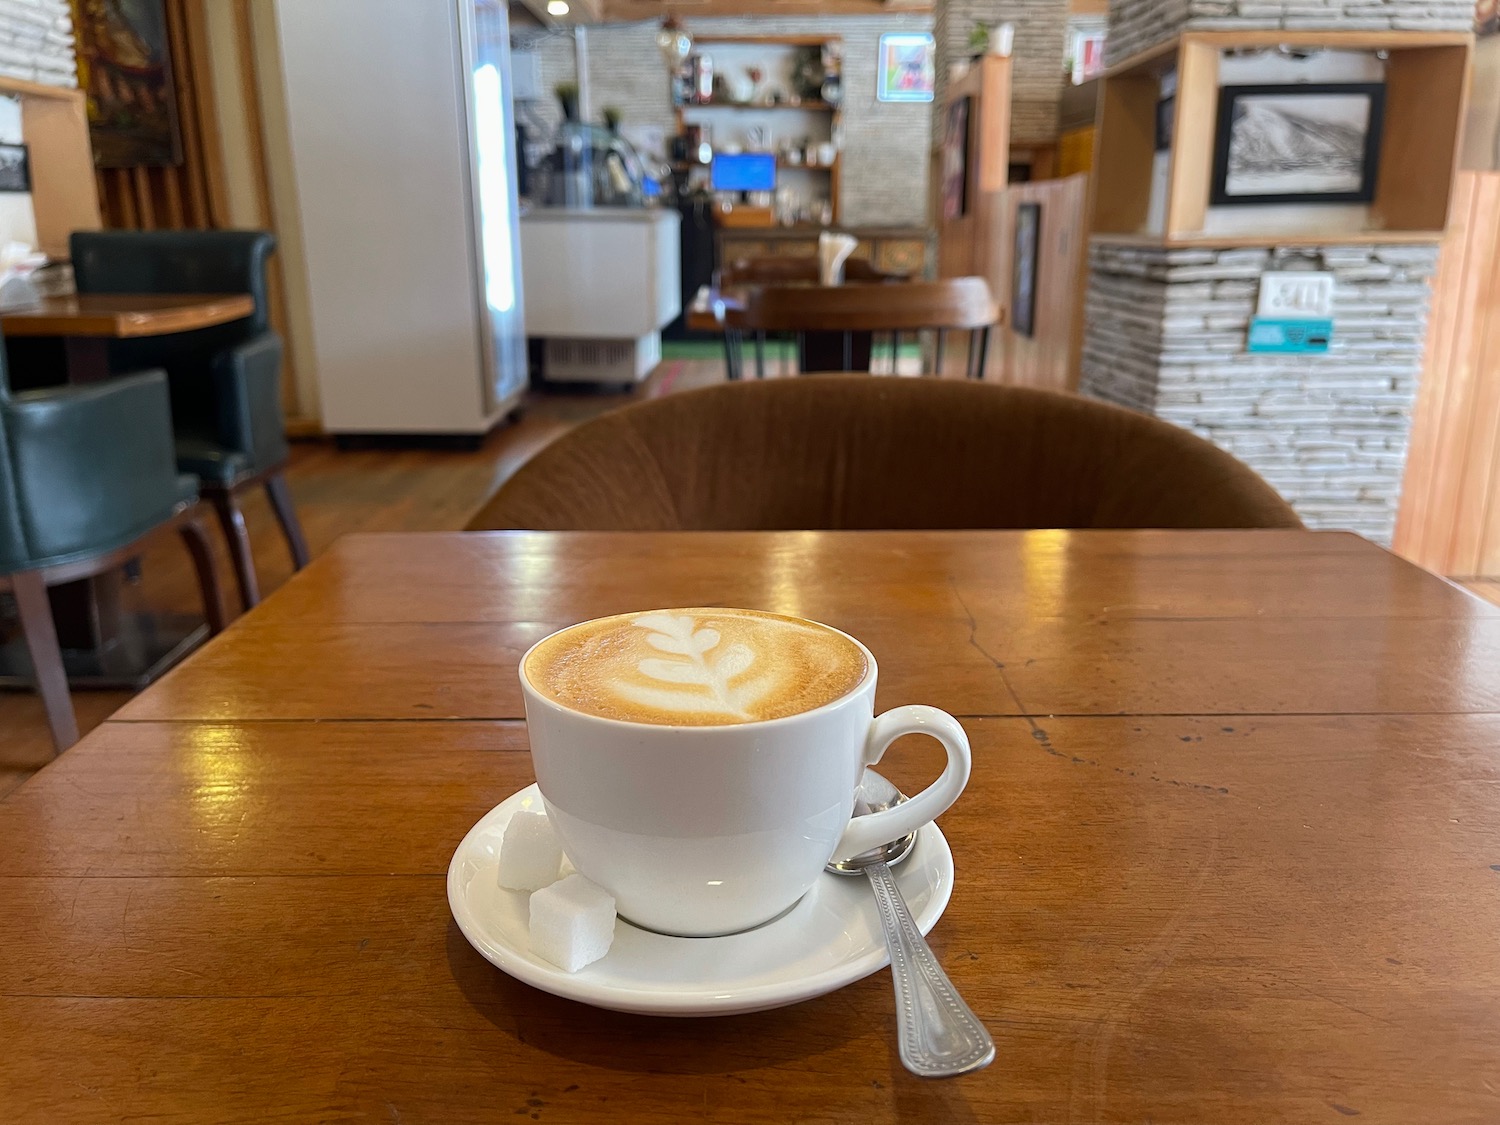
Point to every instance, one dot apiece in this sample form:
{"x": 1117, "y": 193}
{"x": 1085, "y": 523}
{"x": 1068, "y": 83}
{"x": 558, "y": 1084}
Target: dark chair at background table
{"x": 86, "y": 478}
{"x": 954, "y": 304}
{"x": 225, "y": 381}
{"x": 866, "y": 452}
{"x": 787, "y": 270}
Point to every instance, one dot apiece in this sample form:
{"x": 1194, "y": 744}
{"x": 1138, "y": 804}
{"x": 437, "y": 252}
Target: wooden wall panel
{"x": 55, "y": 124}
{"x": 189, "y": 195}
{"x": 194, "y": 195}
{"x": 967, "y": 246}
{"x": 1049, "y": 359}
{"x": 1449, "y": 519}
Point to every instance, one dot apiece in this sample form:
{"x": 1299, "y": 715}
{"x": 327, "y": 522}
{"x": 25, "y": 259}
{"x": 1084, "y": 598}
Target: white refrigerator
{"x": 399, "y": 116}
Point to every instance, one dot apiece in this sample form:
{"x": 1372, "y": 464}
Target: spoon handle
{"x": 939, "y": 1036}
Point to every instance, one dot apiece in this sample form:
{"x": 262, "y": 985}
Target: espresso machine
{"x": 590, "y": 167}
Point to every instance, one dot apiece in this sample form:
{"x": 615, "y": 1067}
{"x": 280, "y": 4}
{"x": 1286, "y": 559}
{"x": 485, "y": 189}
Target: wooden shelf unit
{"x": 64, "y": 192}
{"x": 1426, "y": 79}
{"x": 778, "y": 43}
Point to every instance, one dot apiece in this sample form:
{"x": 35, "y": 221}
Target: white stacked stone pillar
{"x": 1165, "y": 329}
{"x": 1036, "y": 70}
{"x": 36, "y": 41}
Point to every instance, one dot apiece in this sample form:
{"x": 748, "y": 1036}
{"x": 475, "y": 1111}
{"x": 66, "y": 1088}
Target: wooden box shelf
{"x": 1426, "y": 80}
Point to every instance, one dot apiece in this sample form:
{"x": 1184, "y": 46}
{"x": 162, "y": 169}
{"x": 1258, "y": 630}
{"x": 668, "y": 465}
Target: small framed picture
{"x": 15, "y": 168}
{"x": 956, "y": 160}
{"x": 1166, "y": 110}
{"x": 1023, "y": 268}
{"x": 1314, "y": 143}
{"x": 908, "y": 72}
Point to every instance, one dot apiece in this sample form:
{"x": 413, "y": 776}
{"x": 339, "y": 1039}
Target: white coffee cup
{"x": 702, "y": 830}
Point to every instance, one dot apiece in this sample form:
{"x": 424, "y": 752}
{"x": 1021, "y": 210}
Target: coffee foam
{"x": 695, "y": 667}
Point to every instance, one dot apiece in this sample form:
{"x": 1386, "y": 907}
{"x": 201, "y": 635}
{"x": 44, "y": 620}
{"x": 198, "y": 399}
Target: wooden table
{"x": 103, "y": 646}
{"x": 1231, "y": 850}
{"x": 87, "y": 322}
{"x": 710, "y": 306}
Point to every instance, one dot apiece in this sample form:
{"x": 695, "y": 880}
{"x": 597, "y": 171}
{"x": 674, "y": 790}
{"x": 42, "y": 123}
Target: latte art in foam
{"x": 696, "y": 667}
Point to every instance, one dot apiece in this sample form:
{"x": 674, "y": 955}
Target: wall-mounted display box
{"x": 1174, "y": 91}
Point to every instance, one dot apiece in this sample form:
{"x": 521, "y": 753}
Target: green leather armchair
{"x": 86, "y": 477}
{"x": 225, "y": 381}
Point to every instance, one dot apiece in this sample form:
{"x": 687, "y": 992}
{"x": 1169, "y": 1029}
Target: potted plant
{"x": 567, "y": 97}
{"x": 979, "y": 41}
{"x": 612, "y": 119}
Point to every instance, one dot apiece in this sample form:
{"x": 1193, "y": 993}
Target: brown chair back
{"x": 960, "y": 302}
{"x": 879, "y": 452}
{"x": 788, "y": 271}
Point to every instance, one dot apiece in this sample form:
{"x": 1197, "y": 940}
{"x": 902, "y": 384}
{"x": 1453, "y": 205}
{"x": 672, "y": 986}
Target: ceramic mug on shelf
{"x": 669, "y": 789}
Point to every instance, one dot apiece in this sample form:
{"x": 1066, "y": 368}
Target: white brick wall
{"x": 36, "y": 41}
{"x": 1136, "y": 25}
{"x": 885, "y": 161}
{"x": 1037, "y": 56}
{"x": 1166, "y": 334}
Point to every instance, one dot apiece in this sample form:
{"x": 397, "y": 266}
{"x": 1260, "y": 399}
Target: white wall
{"x": 378, "y": 167}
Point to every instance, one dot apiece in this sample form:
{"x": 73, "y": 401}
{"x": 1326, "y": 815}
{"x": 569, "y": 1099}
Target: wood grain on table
{"x": 126, "y": 314}
{"x": 1278, "y": 904}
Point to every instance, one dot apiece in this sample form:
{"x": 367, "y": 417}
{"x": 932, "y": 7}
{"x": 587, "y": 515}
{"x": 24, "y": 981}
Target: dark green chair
{"x": 225, "y": 381}
{"x": 86, "y": 478}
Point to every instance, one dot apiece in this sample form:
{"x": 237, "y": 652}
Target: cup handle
{"x": 866, "y": 832}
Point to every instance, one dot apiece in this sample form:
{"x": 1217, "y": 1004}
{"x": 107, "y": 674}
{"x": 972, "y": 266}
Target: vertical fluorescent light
{"x": 494, "y": 189}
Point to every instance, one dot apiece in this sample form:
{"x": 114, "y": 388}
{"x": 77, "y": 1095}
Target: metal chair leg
{"x": 195, "y": 538}
{"x": 46, "y": 657}
{"x": 760, "y": 355}
{"x": 848, "y": 351}
{"x": 233, "y": 522}
{"x": 729, "y": 372}
{"x": 984, "y": 352}
{"x": 942, "y": 347}
{"x": 286, "y": 515}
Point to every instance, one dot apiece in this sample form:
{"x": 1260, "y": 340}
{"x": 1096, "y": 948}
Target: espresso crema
{"x": 695, "y": 667}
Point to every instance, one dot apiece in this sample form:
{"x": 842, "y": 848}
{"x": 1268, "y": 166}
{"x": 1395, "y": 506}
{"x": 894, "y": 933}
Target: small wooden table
{"x": 711, "y": 304}
{"x": 1230, "y": 853}
{"x": 104, "y": 646}
{"x": 87, "y": 322}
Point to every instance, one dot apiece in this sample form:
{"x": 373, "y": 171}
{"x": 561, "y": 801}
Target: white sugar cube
{"x": 530, "y": 853}
{"x": 572, "y": 923}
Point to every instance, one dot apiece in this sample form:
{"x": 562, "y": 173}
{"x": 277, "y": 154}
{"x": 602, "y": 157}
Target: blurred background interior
{"x": 380, "y": 253}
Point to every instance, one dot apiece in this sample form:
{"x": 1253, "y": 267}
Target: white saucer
{"x": 829, "y": 939}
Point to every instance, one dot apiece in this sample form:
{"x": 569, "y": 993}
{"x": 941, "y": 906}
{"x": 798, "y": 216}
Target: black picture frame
{"x": 1023, "y": 261}
{"x": 15, "y": 168}
{"x": 1166, "y": 111}
{"x": 1232, "y": 101}
{"x": 956, "y": 133}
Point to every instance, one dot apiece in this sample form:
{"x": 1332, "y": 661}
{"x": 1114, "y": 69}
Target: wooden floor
{"x": 338, "y": 492}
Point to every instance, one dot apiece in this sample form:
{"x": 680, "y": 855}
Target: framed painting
{"x": 15, "y": 168}
{"x": 1312, "y": 143}
{"x": 125, "y": 69}
{"x": 907, "y": 72}
{"x": 1023, "y": 264}
{"x": 956, "y": 160}
{"x": 1166, "y": 113}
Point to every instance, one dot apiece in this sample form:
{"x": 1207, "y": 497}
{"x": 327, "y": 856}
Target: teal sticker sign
{"x": 1289, "y": 337}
